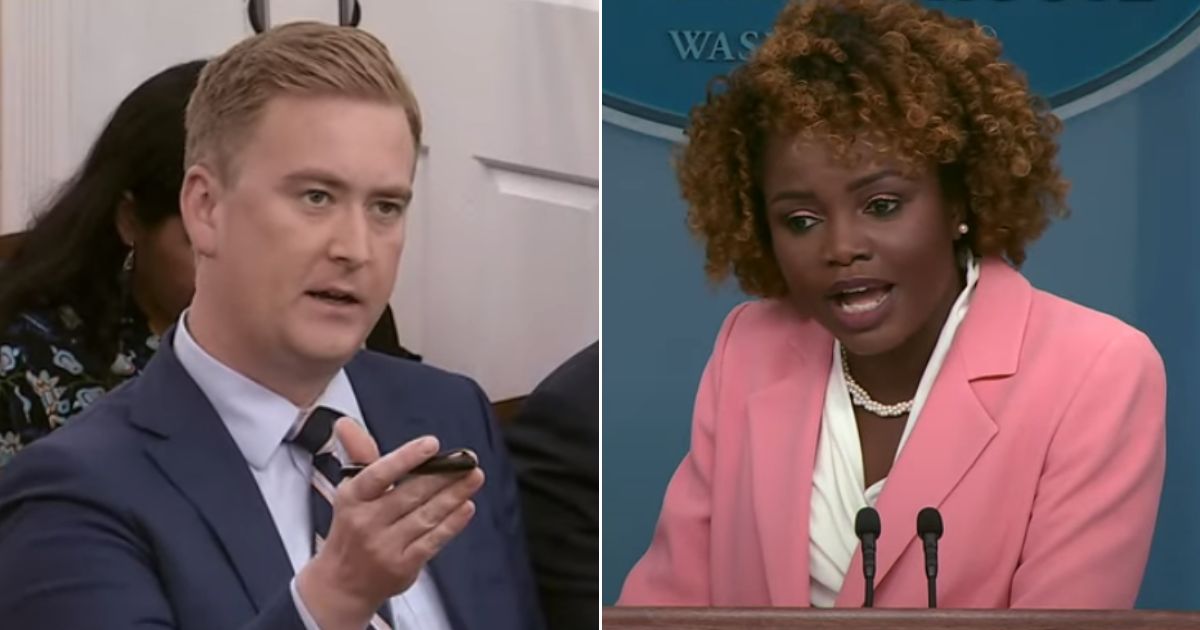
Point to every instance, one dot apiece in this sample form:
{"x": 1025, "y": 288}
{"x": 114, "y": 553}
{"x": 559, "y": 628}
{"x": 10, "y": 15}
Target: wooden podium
{"x": 892, "y": 619}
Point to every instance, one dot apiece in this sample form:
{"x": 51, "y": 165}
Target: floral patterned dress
{"x": 46, "y": 377}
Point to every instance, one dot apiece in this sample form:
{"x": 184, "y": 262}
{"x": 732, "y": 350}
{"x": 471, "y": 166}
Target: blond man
{"x": 212, "y": 492}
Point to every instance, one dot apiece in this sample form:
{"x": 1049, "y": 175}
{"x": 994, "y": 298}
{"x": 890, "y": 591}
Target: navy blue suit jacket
{"x": 142, "y": 513}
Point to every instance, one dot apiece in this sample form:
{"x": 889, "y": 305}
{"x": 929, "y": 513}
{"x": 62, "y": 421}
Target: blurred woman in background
{"x": 102, "y": 272}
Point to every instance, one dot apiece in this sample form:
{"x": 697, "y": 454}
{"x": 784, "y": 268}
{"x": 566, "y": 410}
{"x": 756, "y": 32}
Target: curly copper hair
{"x": 915, "y": 83}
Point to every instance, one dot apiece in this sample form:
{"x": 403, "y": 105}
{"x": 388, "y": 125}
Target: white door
{"x": 64, "y": 66}
{"x": 501, "y": 278}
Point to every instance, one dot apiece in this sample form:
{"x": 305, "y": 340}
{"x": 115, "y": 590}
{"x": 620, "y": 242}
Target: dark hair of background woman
{"x": 72, "y": 253}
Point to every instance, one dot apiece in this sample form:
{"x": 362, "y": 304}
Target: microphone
{"x": 867, "y": 528}
{"x": 929, "y": 528}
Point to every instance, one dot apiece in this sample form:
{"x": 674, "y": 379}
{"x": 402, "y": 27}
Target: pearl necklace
{"x": 861, "y": 398}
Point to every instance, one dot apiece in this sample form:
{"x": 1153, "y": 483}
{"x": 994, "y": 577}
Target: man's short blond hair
{"x": 297, "y": 59}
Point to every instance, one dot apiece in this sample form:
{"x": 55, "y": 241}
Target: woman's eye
{"x": 800, "y": 223}
{"x": 883, "y": 206}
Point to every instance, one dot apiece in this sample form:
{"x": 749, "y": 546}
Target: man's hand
{"x": 386, "y": 527}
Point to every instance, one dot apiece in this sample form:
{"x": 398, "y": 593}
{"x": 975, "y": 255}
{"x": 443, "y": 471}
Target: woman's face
{"x": 865, "y": 250}
{"x": 164, "y": 270}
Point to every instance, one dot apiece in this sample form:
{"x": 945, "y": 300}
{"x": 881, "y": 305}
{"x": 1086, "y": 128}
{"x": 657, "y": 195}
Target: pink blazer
{"x": 1041, "y": 443}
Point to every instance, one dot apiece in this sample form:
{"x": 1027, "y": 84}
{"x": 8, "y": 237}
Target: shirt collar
{"x": 258, "y": 419}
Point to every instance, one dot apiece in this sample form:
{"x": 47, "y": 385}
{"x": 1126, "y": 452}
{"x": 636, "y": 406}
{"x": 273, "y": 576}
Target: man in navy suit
{"x": 209, "y": 493}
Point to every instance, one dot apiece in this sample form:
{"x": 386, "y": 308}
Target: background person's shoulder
{"x": 418, "y": 387}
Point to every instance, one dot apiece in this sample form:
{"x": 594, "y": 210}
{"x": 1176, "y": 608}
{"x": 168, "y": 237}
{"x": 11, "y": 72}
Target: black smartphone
{"x": 445, "y": 463}
{"x": 449, "y": 462}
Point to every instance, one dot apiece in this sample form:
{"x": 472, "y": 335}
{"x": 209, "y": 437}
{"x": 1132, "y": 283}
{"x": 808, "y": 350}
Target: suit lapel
{"x": 392, "y": 423}
{"x": 199, "y": 456}
{"x": 784, "y": 427}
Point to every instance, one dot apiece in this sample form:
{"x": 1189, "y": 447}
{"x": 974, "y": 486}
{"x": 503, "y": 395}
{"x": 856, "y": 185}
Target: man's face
{"x": 306, "y": 231}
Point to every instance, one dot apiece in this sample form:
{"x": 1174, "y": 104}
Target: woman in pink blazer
{"x": 875, "y": 173}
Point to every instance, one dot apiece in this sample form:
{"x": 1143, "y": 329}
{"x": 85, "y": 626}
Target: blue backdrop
{"x": 1130, "y": 248}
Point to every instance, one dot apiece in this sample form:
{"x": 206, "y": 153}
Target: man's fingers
{"x": 424, "y": 548}
{"x": 360, "y": 446}
{"x": 378, "y": 477}
{"x": 432, "y": 495}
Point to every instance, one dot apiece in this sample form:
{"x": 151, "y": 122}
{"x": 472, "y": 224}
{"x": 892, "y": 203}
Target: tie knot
{"x": 315, "y": 432}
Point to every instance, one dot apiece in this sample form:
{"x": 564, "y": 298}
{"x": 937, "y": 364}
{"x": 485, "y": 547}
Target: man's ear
{"x": 198, "y": 206}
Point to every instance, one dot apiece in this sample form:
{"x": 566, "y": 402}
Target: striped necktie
{"x": 315, "y": 435}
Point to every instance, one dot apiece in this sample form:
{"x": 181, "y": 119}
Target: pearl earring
{"x": 962, "y": 228}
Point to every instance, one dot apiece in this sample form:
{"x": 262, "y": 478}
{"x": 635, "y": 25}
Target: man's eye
{"x": 317, "y": 197}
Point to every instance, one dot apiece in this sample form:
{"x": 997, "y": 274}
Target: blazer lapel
{"x": 392, "y": 424}
{"x": 952, "y": 431}
{"x": 199, "y": 456}
{"x": 955, "y": 426}
{"x": 784, "y": 425}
